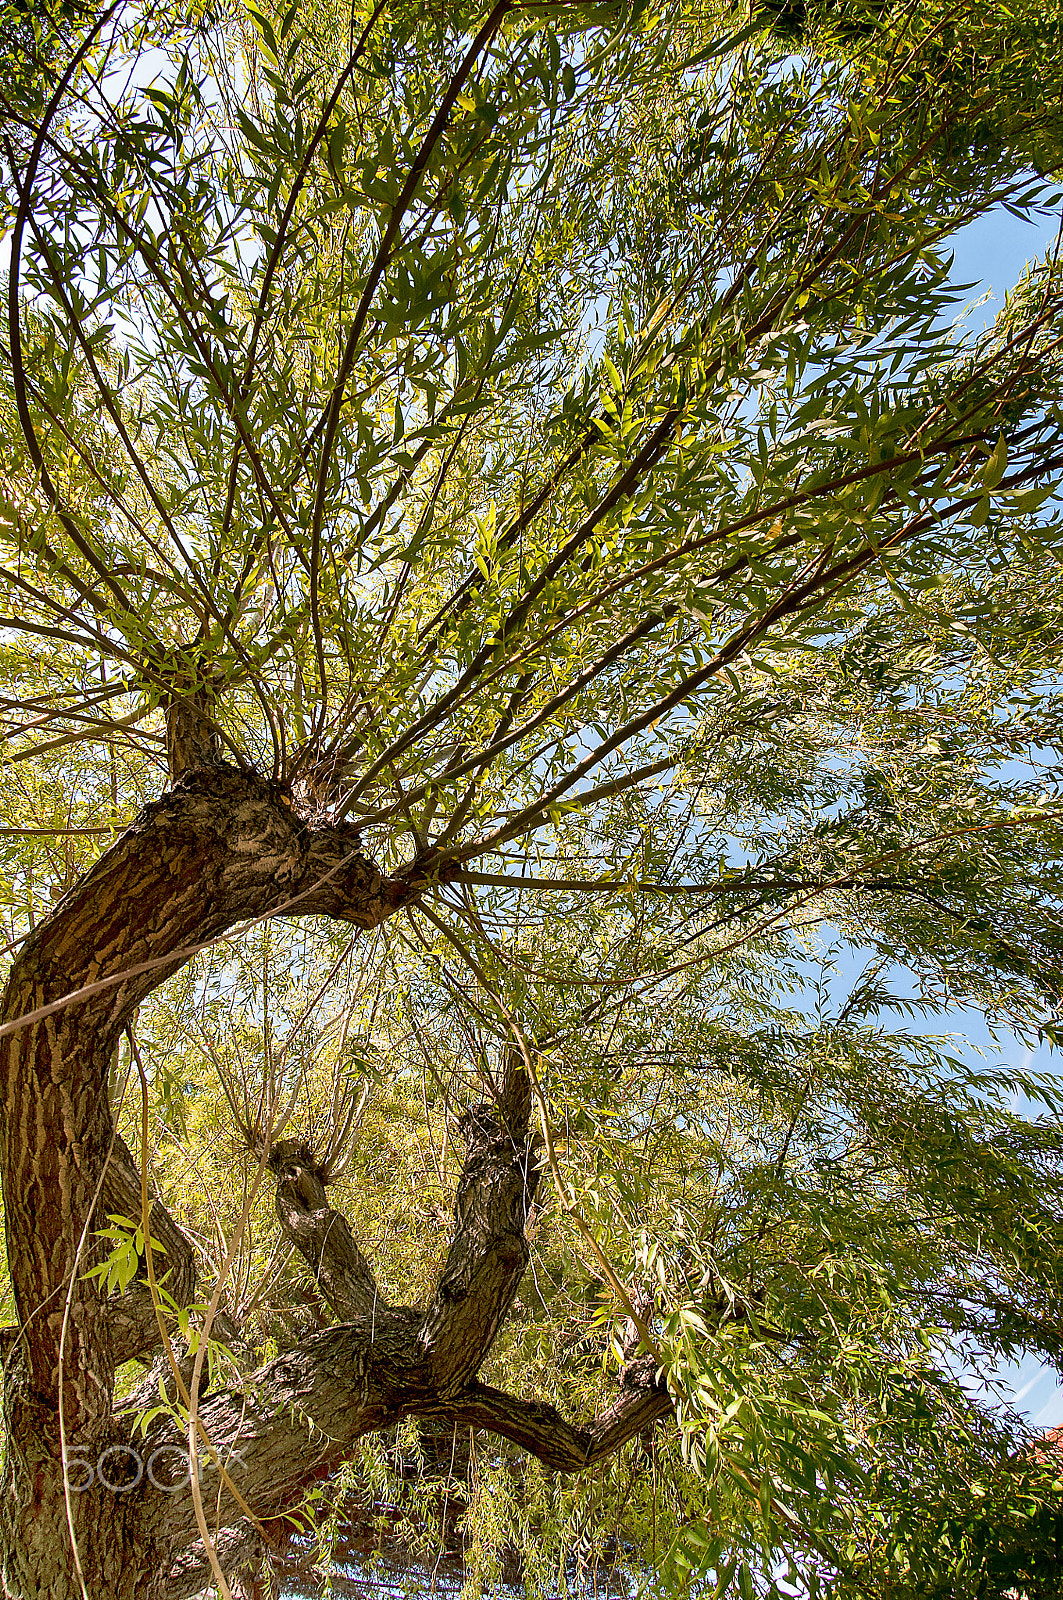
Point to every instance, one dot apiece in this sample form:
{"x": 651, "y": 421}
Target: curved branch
{"x": 543, "y": 1432}
{"x": 296, "y": 1420}
{"x": 221, "y": 847}
{"x": 322, "y": 1235}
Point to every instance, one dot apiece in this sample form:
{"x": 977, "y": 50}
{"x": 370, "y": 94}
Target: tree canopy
{"x": 529, "y": 664}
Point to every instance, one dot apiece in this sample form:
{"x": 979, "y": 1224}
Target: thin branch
{"x": 369, "y": 288}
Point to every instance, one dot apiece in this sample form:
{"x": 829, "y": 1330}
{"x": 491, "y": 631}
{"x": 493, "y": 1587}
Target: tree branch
{"x": 242, "y": 1554}
{"x": 296, "y": 1420}
{"x": 322, "y": 1235}
{"x": 543, "y": 1432}
{"x": 487, "y": 1254}
{"x": 488, "y": 1251}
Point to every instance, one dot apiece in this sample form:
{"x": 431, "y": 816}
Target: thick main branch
{"x": 488, "y": 1249}
{"x": 222, "y": 847}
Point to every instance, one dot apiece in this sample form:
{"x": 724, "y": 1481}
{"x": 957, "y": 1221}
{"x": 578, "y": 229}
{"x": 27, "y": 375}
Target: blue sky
{"x": 992, "y": 252}
{"x": 1033, "y": 1388}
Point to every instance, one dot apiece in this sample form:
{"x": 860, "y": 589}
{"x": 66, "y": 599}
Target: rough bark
{"x": 296, "y": 1419}
{"x": 244, "y": 1557}
{"x": 223, "y": 846}
{"x": 322, "y": 1235}
{"x": 193, "y": 740}
{"x": 488, "y": 1251}
{"x": 543, "y": 1432}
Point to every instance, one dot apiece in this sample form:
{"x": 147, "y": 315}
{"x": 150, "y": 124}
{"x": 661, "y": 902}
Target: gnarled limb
{"x": 542, "y": 1431}
{"x": 488, "y": 1250}
{"x": 322, "y": 1235}
{"x": 223, "y": 846}
{"x": 298, "y": 1418}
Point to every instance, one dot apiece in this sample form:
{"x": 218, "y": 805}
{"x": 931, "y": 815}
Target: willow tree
{"x": 513, "y": 479}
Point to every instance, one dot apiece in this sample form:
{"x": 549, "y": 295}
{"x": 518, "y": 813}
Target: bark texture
{"x": 221, "y": 847}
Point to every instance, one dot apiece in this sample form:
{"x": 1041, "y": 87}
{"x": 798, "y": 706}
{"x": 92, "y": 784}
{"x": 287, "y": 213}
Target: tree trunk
{"x": 223, "y": 846}
{"x": 117, "y": 1558}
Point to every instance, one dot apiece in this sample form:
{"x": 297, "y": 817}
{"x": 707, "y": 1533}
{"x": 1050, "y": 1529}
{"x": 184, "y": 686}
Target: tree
{"x": 509, "y": 479}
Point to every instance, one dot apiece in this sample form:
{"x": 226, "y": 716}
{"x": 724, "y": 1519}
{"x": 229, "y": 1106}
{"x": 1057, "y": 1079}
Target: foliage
{"x": 549, "y": 438}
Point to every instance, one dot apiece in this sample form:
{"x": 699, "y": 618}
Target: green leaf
{"x": 997, "y": 464}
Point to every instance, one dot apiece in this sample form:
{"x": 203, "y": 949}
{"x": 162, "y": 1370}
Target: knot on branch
{"x": 303, "y": 1178}
{"x": 501, "y": 1122}
{"x": 640, "y": 1373}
